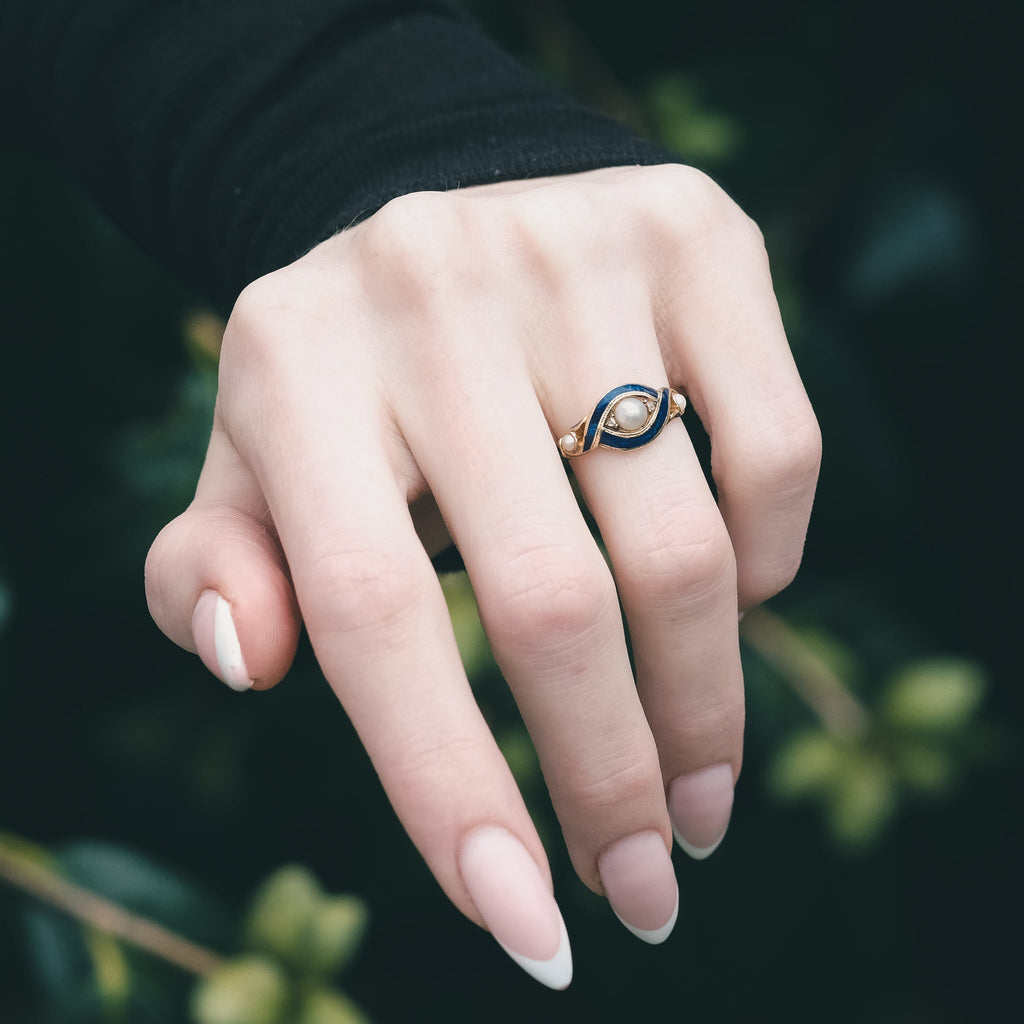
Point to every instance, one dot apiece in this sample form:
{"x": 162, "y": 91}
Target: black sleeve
{"x": 230, "y": 136}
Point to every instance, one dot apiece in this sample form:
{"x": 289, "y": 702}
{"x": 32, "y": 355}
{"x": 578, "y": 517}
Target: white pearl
{"x": 680, "y": 401}
{"x": 567, "y": 442}
{"x": 630, "y": 414}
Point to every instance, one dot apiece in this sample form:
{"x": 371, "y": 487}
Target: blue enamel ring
{"x": 628, "y": 417}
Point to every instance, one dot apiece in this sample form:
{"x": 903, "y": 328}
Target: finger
{"x": 550, "y": 609}
{"x": 216, "y": 580}
{"x": 379, "y": 625}
{"x": 725, "y": 344}
{"x": 676, "y": 576}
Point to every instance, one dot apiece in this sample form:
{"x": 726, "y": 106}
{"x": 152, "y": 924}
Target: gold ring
{"x": 629, "y": 416}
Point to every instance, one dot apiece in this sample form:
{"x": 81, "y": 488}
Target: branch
{"x": 807, "y": 673}
{"x": 42, "y": 882}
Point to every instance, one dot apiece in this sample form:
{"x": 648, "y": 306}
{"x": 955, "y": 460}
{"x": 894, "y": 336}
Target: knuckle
{"x": 545, "y": 596}
{"x": 557, "y": 232}
{"x": 358, "y": 590}
{"x": 787, "y": 456}
{"x": 771, "y": 573}
{"x": 265, "y": 303}
{"x": 772, "y": 579}
{"x": 716, "y": 718}
{"x": 412, "y": 245}
{"x": 550, "y": 215}
{"x": 432, "y": 762}
{"x": 628, "y": 779}
{"x": 269, "y": 317}
{"x": 803, "y": 460}
{"x": 407, "y": 222}
{"x": 697, "y": 201}
{"x": 699, "y": 209}
{"x": 683, "y": 556}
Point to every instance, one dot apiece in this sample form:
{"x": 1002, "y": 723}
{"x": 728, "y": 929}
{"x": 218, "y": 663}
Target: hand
{"x": 407, "y": 379}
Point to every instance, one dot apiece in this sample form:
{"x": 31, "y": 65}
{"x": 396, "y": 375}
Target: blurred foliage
{"x": 877, "y": 833}
{"x": 678, "y": 115}
{"x": 296, "y": 939}
{"x": 106, "y": 921}
{"x": 923, "y": 735}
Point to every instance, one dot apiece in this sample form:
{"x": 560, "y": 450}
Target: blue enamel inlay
{"x": 610, "y": 440}
{"x": 607, "y": 438}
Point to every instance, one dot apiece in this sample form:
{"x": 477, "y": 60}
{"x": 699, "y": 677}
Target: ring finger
{"x": 549, "y": 605}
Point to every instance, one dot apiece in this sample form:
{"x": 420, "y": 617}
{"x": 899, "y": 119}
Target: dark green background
{"x": 873, "y": 145}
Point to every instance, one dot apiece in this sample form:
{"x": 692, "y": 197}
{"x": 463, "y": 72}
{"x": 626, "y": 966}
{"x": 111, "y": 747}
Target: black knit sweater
{"x": 230, "y": 136}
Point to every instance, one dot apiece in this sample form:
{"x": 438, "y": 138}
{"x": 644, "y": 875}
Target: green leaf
{"x": 682, "y": 122}
{"x": 149, "y": 888}
{"x": 293, "y": 920}
{"x": 934, "y": 697}
{"x": 324, "y": 1007}
{"x": 112, "y": 973}
{"x": 335, "y": 933}
{"x": 248, "y": 990}
{"x": 807, "y": 764}
{"x": 82, "y": 974}
{"x": 282, "y": 915}
{"x": 864, "y": 800}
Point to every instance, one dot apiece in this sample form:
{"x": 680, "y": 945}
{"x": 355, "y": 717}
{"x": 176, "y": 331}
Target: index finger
{"x": 379, "y": 625}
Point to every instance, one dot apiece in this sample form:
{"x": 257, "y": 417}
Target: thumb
{"x": 217, "y": 582}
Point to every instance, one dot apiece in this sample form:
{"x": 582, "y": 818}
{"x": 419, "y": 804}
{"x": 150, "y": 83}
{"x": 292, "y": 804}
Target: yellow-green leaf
{"x": 934, "y": 696}
{"x": 282, "y": 914}
{"x": 863, "y": 801}
{"x": 336, "y": 931}
{"x": 805, "y": 764}
{"x": 325, "y": 1007}
{"x": 248, "y": 990}
{"x": 111, "y": 971}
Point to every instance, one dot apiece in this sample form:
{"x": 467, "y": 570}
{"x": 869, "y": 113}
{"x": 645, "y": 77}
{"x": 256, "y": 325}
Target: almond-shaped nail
{"x": 638, "y": 880}
{"x": 213, "y": 630}
{"x": 516, "y": 904}
{"x": 700, "y": 805}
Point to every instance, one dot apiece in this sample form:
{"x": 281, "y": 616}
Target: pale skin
{"x": 406, "y": 382}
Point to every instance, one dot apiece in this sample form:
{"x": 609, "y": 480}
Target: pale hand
{"x": 408, "y": 380}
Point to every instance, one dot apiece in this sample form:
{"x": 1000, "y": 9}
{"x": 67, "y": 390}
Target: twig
{"x": 46, "y": 885}
{"x": 806, "y": 672}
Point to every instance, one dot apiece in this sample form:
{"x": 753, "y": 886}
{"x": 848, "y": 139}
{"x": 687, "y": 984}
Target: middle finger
{"x": 549, "y": 604}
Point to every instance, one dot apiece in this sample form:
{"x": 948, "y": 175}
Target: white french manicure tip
{"x": 229, "y": 650}
{"x": 556, "y": 972}
{"x": 655, "y": 936}
{"x": 696, "y": 852}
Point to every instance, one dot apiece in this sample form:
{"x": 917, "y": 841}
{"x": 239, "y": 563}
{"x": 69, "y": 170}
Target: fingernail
{"x": 641, "y": 886}
{"x": 700, "y": 805}
{"x": 516, "y": 905}
{"x": 213, "y": 630}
